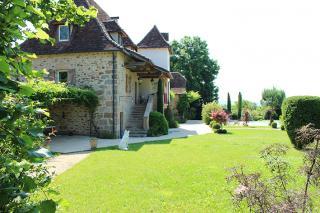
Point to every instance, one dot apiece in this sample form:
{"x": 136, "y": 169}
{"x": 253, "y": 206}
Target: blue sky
{"x": 258, "y": 44}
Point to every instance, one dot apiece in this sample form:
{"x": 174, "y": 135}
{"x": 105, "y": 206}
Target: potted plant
{"x": 93, "y": 143}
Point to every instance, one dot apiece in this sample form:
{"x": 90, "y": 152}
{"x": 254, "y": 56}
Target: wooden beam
{"x": 136, "y": 64}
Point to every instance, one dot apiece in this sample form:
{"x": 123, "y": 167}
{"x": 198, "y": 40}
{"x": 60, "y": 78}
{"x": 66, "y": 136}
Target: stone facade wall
{"x": 93, "y": 70}
{"x": 127, "y": 96}
{"x": 71, "y": 119}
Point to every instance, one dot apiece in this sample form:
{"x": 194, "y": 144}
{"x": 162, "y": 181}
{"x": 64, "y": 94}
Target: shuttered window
{"x": 62, "y": 76}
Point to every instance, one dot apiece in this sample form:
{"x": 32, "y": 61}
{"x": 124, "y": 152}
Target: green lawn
{"x": 180, "y": 175}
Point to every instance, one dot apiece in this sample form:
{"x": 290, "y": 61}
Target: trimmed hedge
{"x": 299, "y": 111}
{"x": 158, "y": 124}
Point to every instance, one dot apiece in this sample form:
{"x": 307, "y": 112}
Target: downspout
{"x": 113, "y": 94}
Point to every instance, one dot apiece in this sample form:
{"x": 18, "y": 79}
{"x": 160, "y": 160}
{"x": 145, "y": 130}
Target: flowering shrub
{"x": 220, "y": 117}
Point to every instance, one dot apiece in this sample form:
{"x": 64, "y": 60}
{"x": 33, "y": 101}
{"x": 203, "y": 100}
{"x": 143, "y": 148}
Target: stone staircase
{"x": 135, "y": 122}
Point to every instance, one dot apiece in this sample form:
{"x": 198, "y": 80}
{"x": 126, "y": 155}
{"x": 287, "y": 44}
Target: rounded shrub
{"x": 158, "y": 124}
{"x": 221, "y": 131}
{"x": 274, "y": 125}
{"x": 215, "y": 125}
{"x": 207, "y": 109}
{"x": 299, "y": 111}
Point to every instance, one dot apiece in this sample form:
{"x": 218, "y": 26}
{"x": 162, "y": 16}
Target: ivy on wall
{"x": 49, "y": 93}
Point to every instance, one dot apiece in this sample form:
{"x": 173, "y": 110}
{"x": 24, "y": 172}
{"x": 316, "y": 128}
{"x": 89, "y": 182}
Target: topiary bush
{"x": 215, "y": 125}
{"x": 274, "y": 125}
{"x": 299, "y": 111}
{"x": 221, "y": 131}
{"x": 207, "y": 109}
{"x": 158, "y": 124}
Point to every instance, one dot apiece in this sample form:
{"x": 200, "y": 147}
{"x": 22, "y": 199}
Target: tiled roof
{"x": 102, "y": 15}
{"x": 178, "y": 81}
{"x": 112, "y": 26}
{"x": 154, "y": 39}
{"x": 127, "y": 42}
{"x": 91, "y": 37}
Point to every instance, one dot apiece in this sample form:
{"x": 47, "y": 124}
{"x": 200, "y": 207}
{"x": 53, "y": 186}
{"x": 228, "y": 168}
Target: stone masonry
{"x": 93, "y": 70}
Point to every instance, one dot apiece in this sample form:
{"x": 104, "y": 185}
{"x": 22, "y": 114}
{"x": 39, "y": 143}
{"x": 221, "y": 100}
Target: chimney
{"x": 114, "y": 18}
{"x": 165, "y": 36}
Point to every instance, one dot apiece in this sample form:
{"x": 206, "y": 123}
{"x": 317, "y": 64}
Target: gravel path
{"x": 62, "y": 163}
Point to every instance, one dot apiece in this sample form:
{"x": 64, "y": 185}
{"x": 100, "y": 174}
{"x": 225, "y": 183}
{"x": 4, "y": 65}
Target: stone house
{"x": 102, "y": 56}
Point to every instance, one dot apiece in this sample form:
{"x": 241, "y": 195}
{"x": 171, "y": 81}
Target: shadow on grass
{"x": 137, "y": 146}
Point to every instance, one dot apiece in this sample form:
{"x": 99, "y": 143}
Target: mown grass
{"x": 180, "y": 175}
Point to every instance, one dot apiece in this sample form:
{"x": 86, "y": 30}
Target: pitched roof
{"x": 91, "y": 37}
{"x": 102, "y": 15}
{"x": 112, "y": 26}
{"x": 154, "y": 39}
{"x": 127, "y": 42}
{"x": 179, "y": 81}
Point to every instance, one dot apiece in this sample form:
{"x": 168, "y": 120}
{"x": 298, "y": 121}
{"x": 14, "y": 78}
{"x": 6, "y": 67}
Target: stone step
{"x": 134, "y": 132}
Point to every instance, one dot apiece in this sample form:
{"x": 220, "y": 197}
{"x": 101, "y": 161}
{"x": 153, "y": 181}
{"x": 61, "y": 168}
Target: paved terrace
{"x": 73, "y": 149}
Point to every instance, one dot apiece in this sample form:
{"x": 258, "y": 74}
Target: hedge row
{"x": 50, "y": 93}
{"x": 299, "y": 111}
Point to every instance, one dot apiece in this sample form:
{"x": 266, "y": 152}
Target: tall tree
{"x": 229, "y": 104}
{"x": 160, "y": 97}
{"x": 191, "y": 58}
{"x": 240, "y": 105}
{"x": 22, "y": 120}
{"x": 273, "y": 98}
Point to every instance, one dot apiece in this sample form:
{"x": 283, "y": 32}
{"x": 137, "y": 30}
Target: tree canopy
{"x": 22, "y": 120}
{"x": 191, "y": 58}
{"x": 273, "y": 98}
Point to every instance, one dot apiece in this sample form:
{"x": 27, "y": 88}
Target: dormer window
{"x": 64, "y": 33}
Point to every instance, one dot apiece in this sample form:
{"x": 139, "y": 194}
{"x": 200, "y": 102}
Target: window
{"x": 64, "y": 33}
{"x": 62, "y": 77}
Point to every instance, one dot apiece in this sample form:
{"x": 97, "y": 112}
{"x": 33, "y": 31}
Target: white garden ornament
{"x": 123, "y": 145}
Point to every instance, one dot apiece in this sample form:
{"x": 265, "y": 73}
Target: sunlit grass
{"x": 180, "y": 175}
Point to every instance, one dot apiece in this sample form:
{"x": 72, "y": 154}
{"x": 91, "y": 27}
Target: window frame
{"x": 58, "y": 76}
{"x": 59, "y": 30}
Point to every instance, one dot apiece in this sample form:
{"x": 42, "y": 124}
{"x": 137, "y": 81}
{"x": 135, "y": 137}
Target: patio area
{"x": 72, "y": 144}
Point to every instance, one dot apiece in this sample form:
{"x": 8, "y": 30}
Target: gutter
{"x": 113, "y": 94}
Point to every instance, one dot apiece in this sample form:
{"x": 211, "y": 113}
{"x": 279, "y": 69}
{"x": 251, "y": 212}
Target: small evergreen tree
{"x": 229, "y": 104}
{"x": 239, "y": 105}
{"x": 160, "y": 97}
